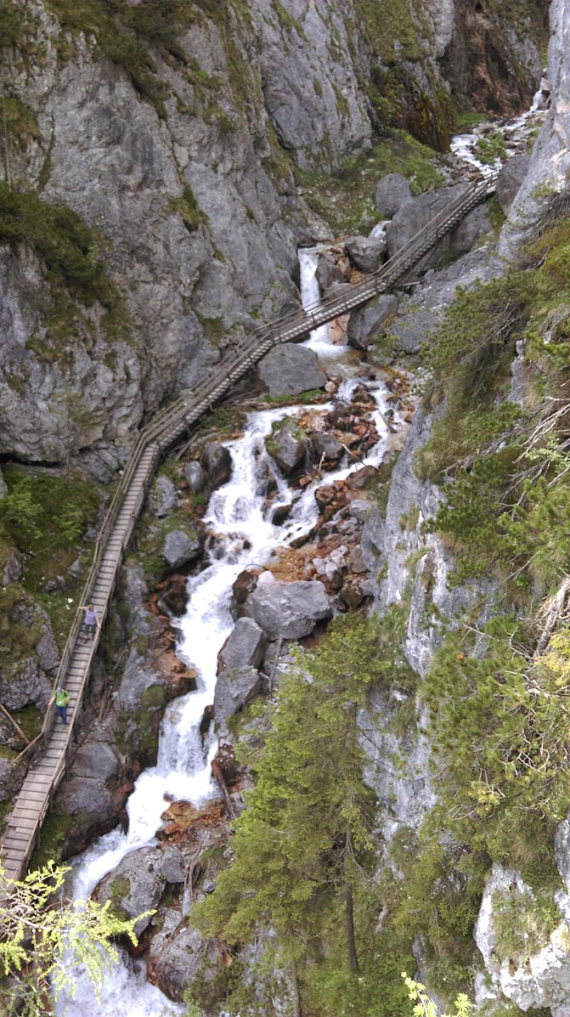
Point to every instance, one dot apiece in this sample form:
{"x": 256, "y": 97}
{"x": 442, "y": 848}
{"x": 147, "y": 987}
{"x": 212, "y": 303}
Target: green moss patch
{"x": 19, "y": 120}
{"x": 72, "y": 252}
{"x": 345, "y": 198}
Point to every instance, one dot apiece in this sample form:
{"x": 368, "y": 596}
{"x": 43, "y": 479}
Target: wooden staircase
{"x": 49, "y": 752}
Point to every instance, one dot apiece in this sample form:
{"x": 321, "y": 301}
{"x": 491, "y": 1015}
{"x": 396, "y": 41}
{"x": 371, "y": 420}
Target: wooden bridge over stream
{"x": 47, "y": 755}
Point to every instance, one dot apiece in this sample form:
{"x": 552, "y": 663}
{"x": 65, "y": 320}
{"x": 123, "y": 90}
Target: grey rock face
{"x": 539, "y": 980}
{"x": 290, "y": 370}
{"x": 234, "y": 688}
{"x": 288, "y": 446}
{"x": 10, "y": 780}
{"x": 328, "y": 272}
{"x": 195, "y": 476}
{"x": 363, "y": 323}
{"x": 164, "y": 498}
{"x": 180, "y": 548}
{"x": 244, "y": 646}
{"x": 367, "y": 253}
{"x": 510, "y": 179}
{"x": 326, "y": 446}
{"x": 27, "y": 679}
{"x": 290, "y": 610}
{"x": 550, "y": 157}
{"x": 416, "y": 213}
{"x": 391, "y": 192}
{"x": 216, "y": 461}
{"x": 135, "y": 886}
{"x": 95, "y": 759}
{"x": 309, "y": 120}
{"x": 177, "y": 953}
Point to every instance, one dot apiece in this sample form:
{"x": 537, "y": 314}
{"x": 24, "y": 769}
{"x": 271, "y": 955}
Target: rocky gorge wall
{"x": 176, "y": 148}
{"x": 218, "y": 208}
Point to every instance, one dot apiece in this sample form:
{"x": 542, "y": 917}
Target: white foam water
{"x": 240, "y": 533}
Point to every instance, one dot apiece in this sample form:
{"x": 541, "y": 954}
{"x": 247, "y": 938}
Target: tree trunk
{"x": 350, "y": 940}
{"x": 296, "y": 992}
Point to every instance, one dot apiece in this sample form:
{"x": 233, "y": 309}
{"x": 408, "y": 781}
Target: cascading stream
{"x": 239, "y": 518}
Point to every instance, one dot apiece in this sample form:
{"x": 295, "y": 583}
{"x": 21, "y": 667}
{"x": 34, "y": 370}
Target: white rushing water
{"x": 516, "y": 135}
{"x": 241, "y": 533}
{"x": 320, "y": 338}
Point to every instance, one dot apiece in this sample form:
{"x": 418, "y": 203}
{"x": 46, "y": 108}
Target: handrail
{"x": 169, "y": 423}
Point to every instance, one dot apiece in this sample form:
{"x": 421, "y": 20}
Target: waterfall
{"x": 241, "y": 533}
{"x": 516, "y": 133}
{"x": 319, "y": 339}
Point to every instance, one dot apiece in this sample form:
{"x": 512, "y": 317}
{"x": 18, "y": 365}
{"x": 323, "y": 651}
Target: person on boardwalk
{"x": 61, "y": 703}
{"x": 90, "y": 619}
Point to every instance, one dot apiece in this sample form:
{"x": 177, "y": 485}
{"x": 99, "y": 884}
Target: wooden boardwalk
{"x": 47, "y": 756}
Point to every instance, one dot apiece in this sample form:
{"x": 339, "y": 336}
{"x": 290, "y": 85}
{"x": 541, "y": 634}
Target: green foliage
{"x": 21, "y": 122}
{"x": 499, "y": 722}
{"x": 491, "y": 147}
{"x": 344, "y": 197}
{"x": 425, "y": 1007}
{"x": 506, "y": 493}
{"x": 438, "y": 897}
{"x": 10, "y": 24}
{"x": 44, "y": 514}
{"x": 520, "y": 706}
{"x": 523, "y": 921}
{"x": 188, "y": 208}
{"x": 42, "y": 941}
{"x": 305, "y": 834}
{"x": 72, "y": 252}
{"x": 377, "y": 991}
{"x": 391, "y": 29}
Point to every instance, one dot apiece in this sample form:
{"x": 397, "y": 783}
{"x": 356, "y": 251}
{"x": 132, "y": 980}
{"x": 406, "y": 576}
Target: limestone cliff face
{"x": 175, "y": 145}
{"x": 415, "y": 573}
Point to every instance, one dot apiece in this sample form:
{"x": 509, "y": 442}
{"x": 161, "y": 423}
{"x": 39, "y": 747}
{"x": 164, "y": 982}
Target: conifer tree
{"x": 297, "y": 844}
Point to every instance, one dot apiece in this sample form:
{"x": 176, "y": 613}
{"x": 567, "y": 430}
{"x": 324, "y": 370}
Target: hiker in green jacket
{"x": 61, "y": 701}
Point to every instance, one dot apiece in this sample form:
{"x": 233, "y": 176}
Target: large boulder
{"x": 326, "y": 447}
{"x": 180, "y": 548}
{"x": 530, "y": 966}
{"x": 31, "y": 656}
{"x": 510, "y": 179}
{"x": 136, "y": 885}
{"x": 244, "y": 646}
{"x": 288, "y": 610}
{"x": 195, "y": 476}
{"x": 95, "y": 759}
{"x": 288, "y": 445}
{"x": 216, "y": 460}
{"x": 329, "y": 272}
{"x": 178, "y": 953}
{"x": 367, "y": 253}
{"x": 164, "y": 498}
{"x": 366, "y": 321}
{"x": 235, "y": 688}
{"x": 290, "y": 370}
{"x": 418, "y": 212}
{"x": 391, "y": 192}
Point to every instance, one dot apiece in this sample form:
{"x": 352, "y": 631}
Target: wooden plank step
{"x": 15, "y": 840}
{"x": 33, "y": 796}
{"x": 40, "y": 781}
{"x": 25, "y": 824}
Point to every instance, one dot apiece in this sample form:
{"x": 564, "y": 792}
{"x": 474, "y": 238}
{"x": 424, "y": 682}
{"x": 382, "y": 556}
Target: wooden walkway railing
{"x": 49, "y": 752}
